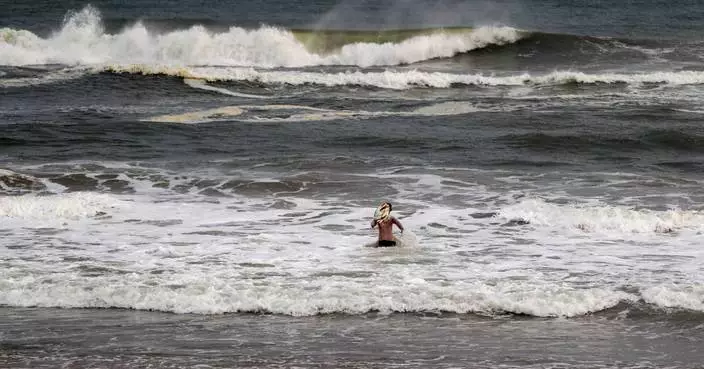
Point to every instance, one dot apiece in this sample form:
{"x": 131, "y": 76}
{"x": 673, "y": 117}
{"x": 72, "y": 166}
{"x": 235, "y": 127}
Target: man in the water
{"x": 386, "y": 224}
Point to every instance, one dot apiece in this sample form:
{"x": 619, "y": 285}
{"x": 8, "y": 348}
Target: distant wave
{"x": 82, "y": 40}
{"x": 388, "y": 79}
{"x": 404, "y": 79}
{"x": 240, "y": 54}
{"x": 571, "y": 44}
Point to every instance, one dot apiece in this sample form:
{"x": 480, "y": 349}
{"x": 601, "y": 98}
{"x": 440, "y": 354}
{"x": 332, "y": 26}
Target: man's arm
{"x": 398, "y": 224}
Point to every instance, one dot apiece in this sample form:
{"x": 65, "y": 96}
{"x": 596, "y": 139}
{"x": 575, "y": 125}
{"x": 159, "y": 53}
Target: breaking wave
{"x": 82, "y": 40}
{"x": 404, "y": 79}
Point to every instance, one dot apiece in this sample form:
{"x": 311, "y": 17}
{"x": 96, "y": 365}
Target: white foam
{"x": 388, "y": 79}
{"x": 676, "y": 296}
{"x": 613, "y": 220}
{"x": 672, "y": 78}
{"x": 55, "y": 208}
{"x": 293, "y": 252}
{"x": 407, "y": 238}
{"x": 224, "y": 292}
{"x": 422, "y": 47}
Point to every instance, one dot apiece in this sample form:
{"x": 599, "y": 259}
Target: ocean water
{"x": 190, "y": 185}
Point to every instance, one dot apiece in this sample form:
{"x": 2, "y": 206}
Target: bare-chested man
{"x": 386, "y": 223}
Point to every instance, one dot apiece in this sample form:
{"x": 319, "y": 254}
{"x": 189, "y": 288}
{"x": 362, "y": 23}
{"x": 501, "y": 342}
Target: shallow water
{"x": 39, "y": 338}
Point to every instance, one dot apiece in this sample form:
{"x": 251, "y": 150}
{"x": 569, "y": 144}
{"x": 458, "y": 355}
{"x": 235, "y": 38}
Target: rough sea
{"x": 189, "y": 184}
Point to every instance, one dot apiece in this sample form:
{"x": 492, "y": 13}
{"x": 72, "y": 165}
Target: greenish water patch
{"x": 327, "y": 41}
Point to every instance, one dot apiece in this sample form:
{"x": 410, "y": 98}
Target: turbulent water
{"x": 545, "y": 160}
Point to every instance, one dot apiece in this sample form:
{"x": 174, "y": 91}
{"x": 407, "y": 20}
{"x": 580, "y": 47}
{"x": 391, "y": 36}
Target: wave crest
{"x": 82, "y": 40}
{"x": 405, "y": 79}
{"x": 207, "y": 295}
{"x": 613, "y": 220}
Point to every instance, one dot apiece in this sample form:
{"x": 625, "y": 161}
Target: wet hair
{"x": 386, "y": 203}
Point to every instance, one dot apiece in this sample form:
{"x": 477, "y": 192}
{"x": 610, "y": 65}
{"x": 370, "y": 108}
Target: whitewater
{"x": 178, "y": 249}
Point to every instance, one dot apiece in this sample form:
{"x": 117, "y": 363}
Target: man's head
{"x": 383, "y": 211}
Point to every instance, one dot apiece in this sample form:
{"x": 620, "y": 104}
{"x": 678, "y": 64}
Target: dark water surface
{"x": 187, "y": 184}
{"x": 40, "y": 338}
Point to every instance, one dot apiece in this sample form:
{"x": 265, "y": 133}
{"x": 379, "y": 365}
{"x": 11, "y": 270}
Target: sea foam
{"x": 207, "y": 294}
{"x": 55, "y": 208}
